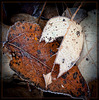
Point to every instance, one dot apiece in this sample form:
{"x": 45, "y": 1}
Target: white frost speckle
{"x": 54, "y": 78}
{"x": 55, "y": 27}
{"x": 62, "y": 86}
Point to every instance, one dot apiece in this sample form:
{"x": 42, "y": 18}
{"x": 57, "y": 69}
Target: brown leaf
{"x": 50, "y": 11}
{"x": 26, "y": 17}
{"x": 71, "y": 83}
{"x": 31, "y": 59}
{"x": 93, "y": 88}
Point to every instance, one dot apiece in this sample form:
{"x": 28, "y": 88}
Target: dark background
{"x": 12, "y": 89}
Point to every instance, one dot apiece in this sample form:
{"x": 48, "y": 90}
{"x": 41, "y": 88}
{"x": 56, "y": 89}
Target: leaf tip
{"x": 48, "y": 79}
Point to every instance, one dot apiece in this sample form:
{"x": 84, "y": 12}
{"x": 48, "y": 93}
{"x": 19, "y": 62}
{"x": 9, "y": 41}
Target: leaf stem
{"x": 29, "y": 54}
{"x": 41, "y": 12}
{"x": 67, "y": 32}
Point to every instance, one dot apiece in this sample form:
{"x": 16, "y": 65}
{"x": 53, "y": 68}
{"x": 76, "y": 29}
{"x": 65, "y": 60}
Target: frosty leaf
{"x": 87, "y": 66}
{"x": 32, "y": 60}
{"x": 55, "y": 27}
{"x": 81, "y": 14}
{"x": 7, "y": 72}
{"x": 71, "y": 82}
{"x": 22, "y": 17}
{"x": 70, "y": 49}
{"x": 26, "y": 17}
{"x": 48, "y": 79}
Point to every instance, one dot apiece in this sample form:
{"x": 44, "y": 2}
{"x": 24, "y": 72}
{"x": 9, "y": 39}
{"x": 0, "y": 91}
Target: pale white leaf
{"x": 71, "y": 46}
{"x": 88, "y": 64}
{"x": 70, "y": 49}
{"x": 55, "y": 27}
{"x": 48, "y": 79}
